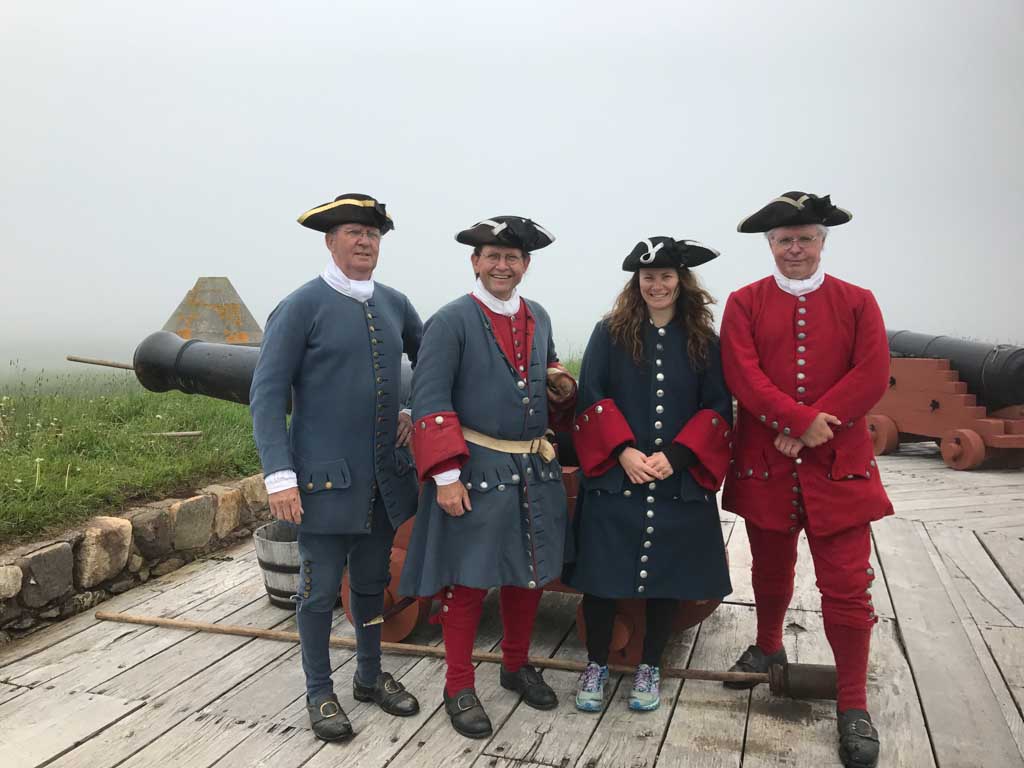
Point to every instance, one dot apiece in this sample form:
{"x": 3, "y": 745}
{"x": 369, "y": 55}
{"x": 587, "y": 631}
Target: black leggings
{"x": 599, "y": 615}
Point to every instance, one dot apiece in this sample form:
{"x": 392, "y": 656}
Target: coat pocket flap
{"x": 853, "y": 462}
{"x": 316, "y": 476}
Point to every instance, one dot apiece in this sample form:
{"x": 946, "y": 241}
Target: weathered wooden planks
{"x": 46, "y": 722}
{"x": 941, "y": 656}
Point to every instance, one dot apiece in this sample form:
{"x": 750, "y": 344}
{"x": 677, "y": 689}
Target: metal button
{"x": 652, "y": 485}
{"x": 750, "y": 472}
{"x": 801, "y": 362}
{"x": 531, "y": 412}
{"x": 801, "y": 349}
{"x": 650, "y": 514}
{"x": 599, "y": 409}
{"x": 660, "y": 377}
{"x": 798, "y": 460}
{"x": 764, "y": 475}
{"x": 521, "y": 384}
{"x": 483, "y": 483}
{"x": 659, "y": 409}
{"x": 661, "y": 331}
{"x": 650, "y": 529}
{"x": 469, "y": 486}
{"x": 309, "y": 486}
{"x": 795, "y": 503}
{"x": 444, "y": 608}
{"x": 795, "y": 475}
{"x": 659, "y": 346}
{"x": 802, "y": 310}
{"x": 775, "y": 425}
{"x": 714, "y": 421}
{"x": 526, "y": 401}
{"x": 801, "y": 376}
{"x": 640, "y": 588}
{"x": 532, "y": 584}
{"x": 501, "y": 486}
{"x": 660, "y": 393}
{"x": 658, "y": 362}
{"x": 644, "y": 558}
{"x": 650, "y": 499}
{"x": 801, "y": 299}
{"x": 328, "y": 485}
{"x": 801, "y": 390}
{"x": 870, "y": 571}
{"x": 627, "y": 493}
{"x": 801, "y": 323}
{"x": 792, "y": 516}
{"x": 439, "y": 419}
{"x": 764, "y": 418}
{"x": 873, "y": 463}
{"x": 801, "y": 336}
{"x": 515, "y": 478}
{"x": 786, "y": 430}
{"x": 643, "y": 574}
{"x": 647, "y": 545}
{"x": 657, "y": 425}
{"x": 658, "y": 441}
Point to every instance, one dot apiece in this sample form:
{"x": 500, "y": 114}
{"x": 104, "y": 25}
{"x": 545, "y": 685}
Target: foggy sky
{"x": 143, "y": 145}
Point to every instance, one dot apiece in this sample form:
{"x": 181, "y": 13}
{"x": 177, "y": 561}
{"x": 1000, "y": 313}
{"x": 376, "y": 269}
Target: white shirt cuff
{"x": 280, "y": 481}
{"x": 407, "y": 412}
{"x": 447, "y": 477}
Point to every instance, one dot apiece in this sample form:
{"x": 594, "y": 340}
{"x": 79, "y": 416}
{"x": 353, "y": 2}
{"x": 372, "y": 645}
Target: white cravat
{"x": 508, "y": 308}
{"x": 800, "y": 287}
{"x": 360, "y": 290}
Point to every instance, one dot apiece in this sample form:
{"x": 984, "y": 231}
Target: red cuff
{"x": 707, "y": 434}
{"x": 600, "y": 430}
{"x": 437, "y": 438}
{"x": 560, "y": 414}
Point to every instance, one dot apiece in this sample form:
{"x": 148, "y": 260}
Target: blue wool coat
{"x": 516, "y": 531}
{"x": 661, "y": 539}
{"x": 339, "y": 362}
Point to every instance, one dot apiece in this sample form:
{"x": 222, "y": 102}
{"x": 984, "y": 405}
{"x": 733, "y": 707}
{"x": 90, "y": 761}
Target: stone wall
{"x": 47, "y": 581}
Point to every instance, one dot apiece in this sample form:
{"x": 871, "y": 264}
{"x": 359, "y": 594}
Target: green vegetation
{"x": 77, "y": 445}
{"x": 81, "y": 444}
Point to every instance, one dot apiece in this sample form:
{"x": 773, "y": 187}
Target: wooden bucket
{"x": 277, "y": 551}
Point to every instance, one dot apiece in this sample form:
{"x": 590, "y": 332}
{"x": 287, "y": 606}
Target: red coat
{"x": 787, "y": 359}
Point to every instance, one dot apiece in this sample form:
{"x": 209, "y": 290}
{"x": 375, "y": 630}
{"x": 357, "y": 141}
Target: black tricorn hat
{"x": 793, "y": 209}
{"x": 350, "y": 208}
{"x": 510, "y": 231}
{"x": 660, "y": 251}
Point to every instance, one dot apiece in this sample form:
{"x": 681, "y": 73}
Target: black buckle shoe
{"x": 528, "y": 682}
{"x": 327, "y": 719}
{"x": 467, "y": 714}
{"x": 858, "y": 739}
{"x": 388, "y": 694}
{"x": 754, "y": 660}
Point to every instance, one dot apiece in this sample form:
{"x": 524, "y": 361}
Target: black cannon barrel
{"x": 164, "y": 361}
{"x": 993, "y": 372}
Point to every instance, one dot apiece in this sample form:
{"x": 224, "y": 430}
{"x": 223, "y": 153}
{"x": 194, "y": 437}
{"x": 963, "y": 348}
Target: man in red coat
{"x": 806, "y": 356}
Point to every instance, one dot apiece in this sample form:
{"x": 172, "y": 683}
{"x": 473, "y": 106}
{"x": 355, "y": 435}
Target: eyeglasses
{"x": 804, "y": 241}
{"x": 356, "y": 234}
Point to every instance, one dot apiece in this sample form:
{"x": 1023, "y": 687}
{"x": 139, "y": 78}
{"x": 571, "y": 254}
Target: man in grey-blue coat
{"x": 340, "y": 471}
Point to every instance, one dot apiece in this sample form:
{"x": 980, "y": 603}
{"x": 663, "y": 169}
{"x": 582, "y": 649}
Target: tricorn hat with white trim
{"x": 510, "y": 231}
{"x": 794, "y": 209}
{"x": 668, "y": 253}
{"x": 350, "y": 208}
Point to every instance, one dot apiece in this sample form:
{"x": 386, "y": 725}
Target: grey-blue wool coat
{"x": 516, "y": 530}
{"x": 338, "y": 361}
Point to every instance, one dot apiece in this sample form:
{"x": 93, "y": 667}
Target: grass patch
{"x": 77, "y": 445}
{"x": 74, "y": 446}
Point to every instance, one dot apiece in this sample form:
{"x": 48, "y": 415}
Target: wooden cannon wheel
{"x": 963, "y": 449}
{"x": 885, "y": 435}
{"x": 400, "y": 625}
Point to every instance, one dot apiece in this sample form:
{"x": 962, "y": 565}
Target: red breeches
{"x": 460, "y": 614}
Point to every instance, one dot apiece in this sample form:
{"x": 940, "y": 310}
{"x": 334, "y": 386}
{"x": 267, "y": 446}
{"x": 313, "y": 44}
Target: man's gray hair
{"x": 822, "y": 230}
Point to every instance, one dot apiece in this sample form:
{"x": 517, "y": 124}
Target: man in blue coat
{"x": 333, "y": 349}
{"x": 492, "y": 508}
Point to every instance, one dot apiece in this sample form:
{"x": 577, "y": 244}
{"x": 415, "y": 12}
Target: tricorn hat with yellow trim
{"x": 351, "y": 208}
{"x": 794, "y": 209}
{"x": 660, "y": 251}
{"x": 510, "y": 231}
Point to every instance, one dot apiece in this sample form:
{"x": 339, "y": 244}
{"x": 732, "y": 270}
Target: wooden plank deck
{"x": 946, "y": 683}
